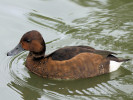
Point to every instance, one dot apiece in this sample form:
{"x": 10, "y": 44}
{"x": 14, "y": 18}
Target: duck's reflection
{"x": 36, "y": 85}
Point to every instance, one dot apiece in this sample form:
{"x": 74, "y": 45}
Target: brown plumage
{"x": 70, "y": 62}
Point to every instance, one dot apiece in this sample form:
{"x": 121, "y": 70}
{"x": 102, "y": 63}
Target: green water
{"x": 102, "y": 24}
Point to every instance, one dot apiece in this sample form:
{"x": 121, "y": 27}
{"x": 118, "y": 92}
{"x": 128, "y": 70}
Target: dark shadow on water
{"x": 36, "y": 85}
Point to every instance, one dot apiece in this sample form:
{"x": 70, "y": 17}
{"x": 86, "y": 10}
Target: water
{"x": 102, "y": 24}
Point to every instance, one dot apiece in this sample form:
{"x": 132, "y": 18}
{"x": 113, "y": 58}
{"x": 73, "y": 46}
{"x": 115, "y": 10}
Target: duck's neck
{"x": 41, "y": 53}
{"x": 38, "y": 55}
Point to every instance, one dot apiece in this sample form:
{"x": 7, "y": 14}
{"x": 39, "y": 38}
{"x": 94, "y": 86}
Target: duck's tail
{"x": 124, "y": 60}
{"x": 115, "y": 63}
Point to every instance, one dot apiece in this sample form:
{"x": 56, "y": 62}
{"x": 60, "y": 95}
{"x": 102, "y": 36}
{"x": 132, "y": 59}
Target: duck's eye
{"x": 27, "y": 40}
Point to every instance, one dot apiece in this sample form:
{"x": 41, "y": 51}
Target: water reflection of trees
{"x": 109, "y": 24}
{"x": 88, "y": 3}
{"x": 110, "y": 4}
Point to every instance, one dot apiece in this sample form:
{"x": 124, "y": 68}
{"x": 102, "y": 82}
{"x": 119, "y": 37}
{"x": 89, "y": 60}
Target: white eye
{"x": 27, "y": 40}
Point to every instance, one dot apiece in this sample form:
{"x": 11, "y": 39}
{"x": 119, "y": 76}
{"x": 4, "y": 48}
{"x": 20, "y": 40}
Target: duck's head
{"x": 31, "y": 41}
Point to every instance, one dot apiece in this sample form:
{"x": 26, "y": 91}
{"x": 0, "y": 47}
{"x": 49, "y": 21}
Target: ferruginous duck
{"x": 71, "y": 62}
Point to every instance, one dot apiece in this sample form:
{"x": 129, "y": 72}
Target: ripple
{"x": 48, "y": 22}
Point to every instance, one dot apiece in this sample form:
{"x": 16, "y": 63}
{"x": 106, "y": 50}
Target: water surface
{"x": 102, "y": 24}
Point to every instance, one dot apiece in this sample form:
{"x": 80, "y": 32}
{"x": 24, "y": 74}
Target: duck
{"x": 70, "y": 62}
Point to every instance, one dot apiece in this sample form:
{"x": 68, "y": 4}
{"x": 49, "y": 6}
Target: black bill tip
{"x": 15, "y": 51}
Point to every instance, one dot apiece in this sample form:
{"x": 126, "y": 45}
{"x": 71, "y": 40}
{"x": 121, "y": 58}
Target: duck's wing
{"x": 104, "y": 53}
{"x": 110, "y": 55}
{"x": 71, "y": 51}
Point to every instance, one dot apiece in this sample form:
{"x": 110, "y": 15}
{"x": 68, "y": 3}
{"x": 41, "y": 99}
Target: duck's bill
{"x": 15, "y": 51}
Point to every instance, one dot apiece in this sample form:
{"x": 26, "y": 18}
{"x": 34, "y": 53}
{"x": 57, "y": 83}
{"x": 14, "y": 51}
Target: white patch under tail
{"x": 114, "y": 65}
